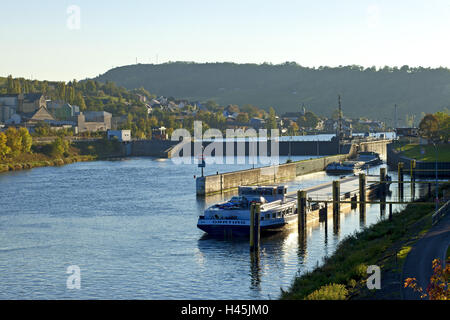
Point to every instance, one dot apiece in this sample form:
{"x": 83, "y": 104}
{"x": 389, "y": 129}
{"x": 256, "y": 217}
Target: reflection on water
{"x": 131, "y": 227}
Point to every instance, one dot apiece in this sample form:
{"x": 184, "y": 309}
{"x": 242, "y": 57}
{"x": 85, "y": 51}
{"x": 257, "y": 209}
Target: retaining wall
{"x": 265, "y": 175}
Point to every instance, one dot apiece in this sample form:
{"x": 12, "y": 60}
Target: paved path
{"x": 418, "y": 262}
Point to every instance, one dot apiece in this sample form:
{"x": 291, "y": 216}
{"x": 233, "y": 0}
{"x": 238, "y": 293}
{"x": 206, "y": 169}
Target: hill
{"x": 365, "y": 92}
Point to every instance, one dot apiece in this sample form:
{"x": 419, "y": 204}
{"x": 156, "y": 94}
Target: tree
{"x": 439, "y": 288}
{"x": 232, "y": 108}
{"x": 335, "y": 114}
{"x": 443, "y": 119}
{"x": 14, "y": 141}
{"x": 91, "y": 87}
{"x": 4, "y": 148}
{"x": 27, "y": 140}
{"x": 251, "y": 110}
{"x": 61, "y": 89}
{"x": 271, "y": 122}
{"x": 242, "y": 117}
{"x": 428, "y": 127}
{"x": 10, "y": 85}
{"x": 309, "y": 120}
{"x": 293, "y": 129}
{"x": 59, "y": 147}
{"x": 79, "y": 101}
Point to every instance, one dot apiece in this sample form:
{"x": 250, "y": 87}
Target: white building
{"x": 121, "y": 135}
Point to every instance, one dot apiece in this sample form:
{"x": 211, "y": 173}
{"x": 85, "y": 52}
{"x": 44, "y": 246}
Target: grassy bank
{"x": 385, "y": 244}
{"x": 425, "y": 152}
{"x": 40, "y": 156}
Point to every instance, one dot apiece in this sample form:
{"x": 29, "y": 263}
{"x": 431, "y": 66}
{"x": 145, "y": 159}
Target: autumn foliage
{"x": 438, "y": 288}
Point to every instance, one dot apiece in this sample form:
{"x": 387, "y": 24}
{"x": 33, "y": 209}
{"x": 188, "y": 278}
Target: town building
{"x": 21, "y": 103}
{"x": 62, "y": 111}
{"x": 40, "y": 115}
{"x": 93, "y": 121}
{"x": 120, "y": 135}
{"x": 407, "y": 132}
{"x": 159, "y": 133}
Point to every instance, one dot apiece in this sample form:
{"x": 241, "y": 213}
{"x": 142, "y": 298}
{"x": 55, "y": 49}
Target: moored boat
{"x": 344, "y": 167}
{"x": 233, "y": 217}
{"x": 369, "y": 158}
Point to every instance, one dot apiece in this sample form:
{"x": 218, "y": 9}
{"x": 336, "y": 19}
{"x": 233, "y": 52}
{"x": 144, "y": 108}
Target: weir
{"x": 171, "y": 149}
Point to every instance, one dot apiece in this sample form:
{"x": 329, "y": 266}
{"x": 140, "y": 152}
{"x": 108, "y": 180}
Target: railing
{"x": 440, "y": 213}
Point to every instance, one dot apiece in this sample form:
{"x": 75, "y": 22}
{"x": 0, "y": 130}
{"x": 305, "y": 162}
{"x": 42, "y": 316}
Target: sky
{"x": 78, "y": 39}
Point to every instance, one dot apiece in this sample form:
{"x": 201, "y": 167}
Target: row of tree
{"x": 13, "y": 142}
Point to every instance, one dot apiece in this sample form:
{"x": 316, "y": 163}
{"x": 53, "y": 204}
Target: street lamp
{"x": 436, "y": 173}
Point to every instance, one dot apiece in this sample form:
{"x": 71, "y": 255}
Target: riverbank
{"x": 76, "y": 152}
{"x": 385, "y": 244}
{"x": 425, "y": 153}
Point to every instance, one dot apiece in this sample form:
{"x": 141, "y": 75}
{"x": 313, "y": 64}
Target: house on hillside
{"x": 257, "y": 123}
{"x": 155, "y": 103}
{"x": 292, "y": 115}
{"x": 141, "y": 98}
{"x": 62, "y": 111}
{"x": 40, "y": 115}
{"x": 11, "y": 104}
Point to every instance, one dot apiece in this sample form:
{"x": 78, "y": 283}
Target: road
{"x": 418, "y": 262}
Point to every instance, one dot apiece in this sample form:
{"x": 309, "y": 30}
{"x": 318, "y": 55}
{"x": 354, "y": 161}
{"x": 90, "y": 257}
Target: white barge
{"x": 233, "y": 216}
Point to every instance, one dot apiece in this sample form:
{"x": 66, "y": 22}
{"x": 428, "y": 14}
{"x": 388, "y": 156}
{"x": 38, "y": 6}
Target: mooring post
{"x": 252, "y": 227}
{"x": 383, "y": 189}
{"x": 383, "y": 181}
{"x": 257, "y": 230}
{"x": 362, "y": 194}
{"x": 301, "y": 209}
{"x": 354, "y": 203}
{"x": 400, "y": 180}
{"x": 413, "y": 179}
{"x": 336, "y": 204}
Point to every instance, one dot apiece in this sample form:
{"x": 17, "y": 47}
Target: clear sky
{"x": 40, "y": 39}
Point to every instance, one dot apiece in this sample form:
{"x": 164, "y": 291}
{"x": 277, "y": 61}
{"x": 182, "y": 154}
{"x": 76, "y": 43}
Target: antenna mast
{"x": 339, "y": 133}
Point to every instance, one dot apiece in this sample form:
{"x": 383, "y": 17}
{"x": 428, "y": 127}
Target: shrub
{"x": 329, "y": 292}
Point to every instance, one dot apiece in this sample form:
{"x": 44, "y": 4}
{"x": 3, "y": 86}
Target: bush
{"x": 329, "y": 292}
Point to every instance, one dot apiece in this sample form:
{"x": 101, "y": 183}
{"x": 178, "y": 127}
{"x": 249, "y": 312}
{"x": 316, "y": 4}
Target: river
{"x": 130, "y": 226}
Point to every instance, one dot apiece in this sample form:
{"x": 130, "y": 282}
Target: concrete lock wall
{"x": 265, "y": 175}
{"x": 150, "y": 148}
{"x": 284, "y": 172}
{"x": 379, "y": 147}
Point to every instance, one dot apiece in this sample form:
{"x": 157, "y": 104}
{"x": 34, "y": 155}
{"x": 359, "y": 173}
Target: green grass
{"x": 385, "y": 244}
{"x": 413, "y": 151}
